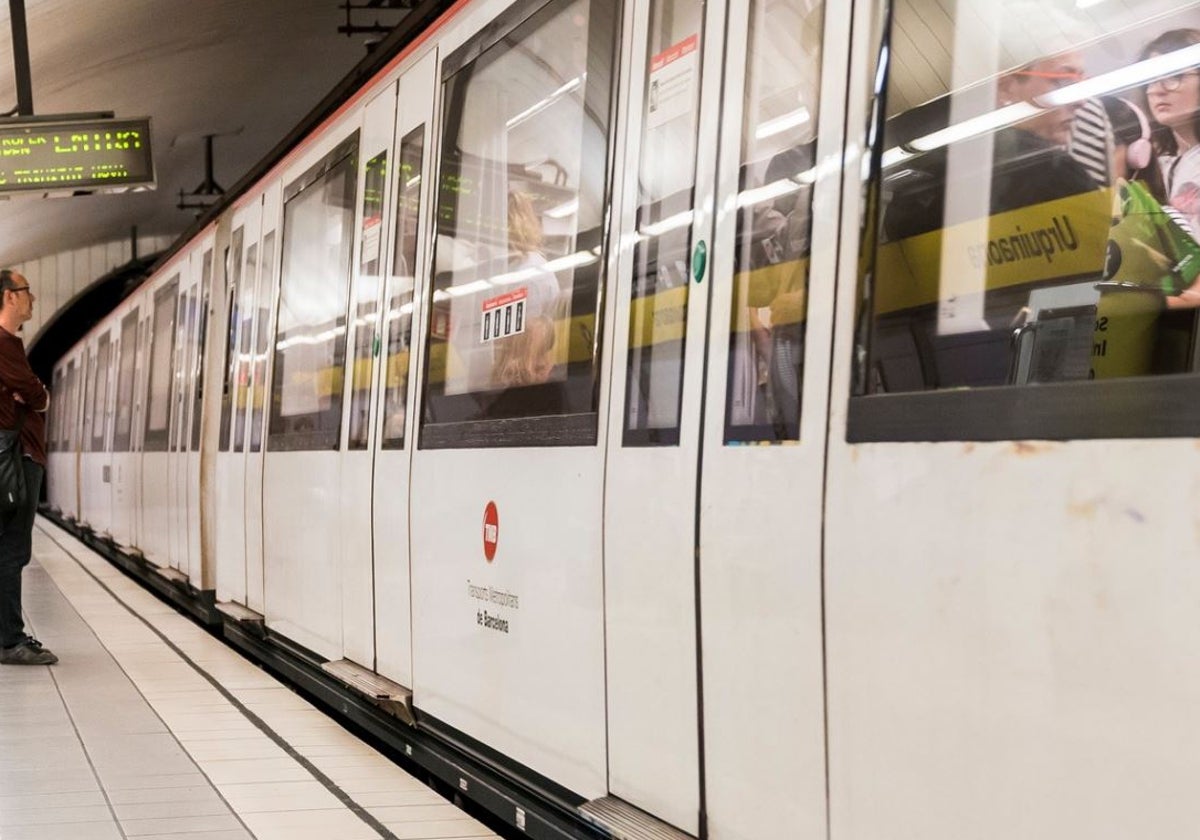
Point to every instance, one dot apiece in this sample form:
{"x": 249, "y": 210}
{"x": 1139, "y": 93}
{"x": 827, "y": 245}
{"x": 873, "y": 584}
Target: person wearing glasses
{"x": 1029, "y": 161}
{"x": 21, "y": 393}
{"x": 1173, "y": 103}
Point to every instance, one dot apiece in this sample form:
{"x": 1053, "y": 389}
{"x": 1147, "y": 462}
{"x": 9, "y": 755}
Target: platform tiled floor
{"x": 129, "y": 738}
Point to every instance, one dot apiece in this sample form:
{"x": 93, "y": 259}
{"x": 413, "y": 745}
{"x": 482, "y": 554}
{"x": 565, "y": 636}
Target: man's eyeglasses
{"x": 16, "y": 289}
{"x": 1171, "y": 83}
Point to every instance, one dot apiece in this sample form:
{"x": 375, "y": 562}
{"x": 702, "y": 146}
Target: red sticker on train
{"x": 491, "y": 531}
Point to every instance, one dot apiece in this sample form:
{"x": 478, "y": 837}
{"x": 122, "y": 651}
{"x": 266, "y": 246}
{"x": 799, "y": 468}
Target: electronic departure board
{"x": 86, "y": 154}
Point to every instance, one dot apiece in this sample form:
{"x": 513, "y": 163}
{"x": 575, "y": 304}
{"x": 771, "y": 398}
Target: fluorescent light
{"x": 543, "y": 104}
{"x": 562, "y": 211}
{"x": 975, "y": 126}
{"x": 778, "y": 125}
{"x": 468, "y": 289}
{"x": 893, "y": 156}
{"x": 1140, "y": 73}
{"x": 767, "y": 192}
{"x": 318, "y": 338}
{"x": 571, "y": 261}
{"x": 1087, "y": 4}
{"x": 668, "y": 224}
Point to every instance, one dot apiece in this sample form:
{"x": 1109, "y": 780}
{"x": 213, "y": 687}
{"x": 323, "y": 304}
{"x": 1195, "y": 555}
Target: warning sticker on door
{"x": 671, "y": 90}
{"x": 504, "y": 315}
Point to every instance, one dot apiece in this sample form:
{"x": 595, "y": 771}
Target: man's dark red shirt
{"x": 16, "y": 376}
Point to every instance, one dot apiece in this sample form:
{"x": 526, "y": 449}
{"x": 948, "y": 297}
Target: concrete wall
{"x": 58, "y": 278}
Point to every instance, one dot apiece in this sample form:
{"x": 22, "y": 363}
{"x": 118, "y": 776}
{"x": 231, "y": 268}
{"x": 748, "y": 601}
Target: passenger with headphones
{"x": 1133, "y": 154}
{"x": 1173, "y": 104}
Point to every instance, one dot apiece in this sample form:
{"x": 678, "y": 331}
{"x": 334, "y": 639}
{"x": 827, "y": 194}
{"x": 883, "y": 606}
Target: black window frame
{"x": 316, "y": 441}
{"x": 158, "y": 440}
{"x": 567, "y": 429}
{"x": 1162, "y": 406}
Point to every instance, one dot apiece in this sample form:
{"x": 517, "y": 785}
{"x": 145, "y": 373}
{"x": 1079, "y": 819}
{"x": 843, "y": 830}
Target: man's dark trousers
{"x": 16, "y": 547}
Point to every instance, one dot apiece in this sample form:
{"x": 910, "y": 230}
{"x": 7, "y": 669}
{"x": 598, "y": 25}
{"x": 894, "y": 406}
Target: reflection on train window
{"x": 56, "y": 392}
{"x": 520, "y": 211}
{"x": 186, "y": 320}
{"x": 100, "y": 394}
{"x": 127, "y": 359}
{"x": 262, "y": 341}
{"x": 310, "y": 343}
{"x": 662, "y": 253}
{"x": 201, "y": 338}
{"x": 241, "y": 373}
{"x": 398, "y": 321}
{"x": 162, "y": 339}
{"x": 234, "y": 265}
{"x": 89, "y": 388}
{"x": 1040, "y": 196}
{"x": 770, "y": 283}
{"x": 69, "y": 423}
{"x": 366, "y": 309}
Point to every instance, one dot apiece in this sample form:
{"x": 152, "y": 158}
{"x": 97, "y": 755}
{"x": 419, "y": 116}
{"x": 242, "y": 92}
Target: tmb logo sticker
{"x": 491, "y": 531}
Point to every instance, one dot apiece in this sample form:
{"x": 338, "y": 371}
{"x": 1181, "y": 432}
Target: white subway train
{"x": 508, "y": 385}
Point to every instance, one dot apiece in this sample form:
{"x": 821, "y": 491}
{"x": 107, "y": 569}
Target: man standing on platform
{"x": 21, "y": 393}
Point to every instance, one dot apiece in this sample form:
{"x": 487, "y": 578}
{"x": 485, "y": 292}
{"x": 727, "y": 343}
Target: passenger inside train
{"x": 1010, "y": 252}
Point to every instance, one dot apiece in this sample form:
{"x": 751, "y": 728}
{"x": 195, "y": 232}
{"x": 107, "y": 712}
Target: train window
{"x": 126, "y": 361}
{"x": 366, "y": 310}
{"x": 70, "y": 416}
{"x": 100, "y": 394}
{"x": 770, "y": 286}
{"x": 310, "y": 343}
{"x": 233, "y": 265}
{"x": 1038, "y": 214}
{"x": 662, "y": 251}
{"x": 56, "y": 393}
{"x": 162, "y": 341}
{"x": 242, "y": 369}
{"x": 201, "y": 339}
{"x": 521, "y": 199}
{"x": 398, "y": 321}
{"x": 185, "y": 321}
{"x": 262, "y": 341}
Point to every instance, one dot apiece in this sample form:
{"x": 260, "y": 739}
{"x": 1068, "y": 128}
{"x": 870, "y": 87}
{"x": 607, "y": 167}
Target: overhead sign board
{"x": 84, "y": 154}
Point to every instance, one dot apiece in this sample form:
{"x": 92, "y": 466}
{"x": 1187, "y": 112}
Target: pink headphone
{"x": 1140, "y": 150}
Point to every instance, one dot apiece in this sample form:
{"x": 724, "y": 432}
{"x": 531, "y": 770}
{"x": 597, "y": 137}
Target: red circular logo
{"x": 491, "y": 531}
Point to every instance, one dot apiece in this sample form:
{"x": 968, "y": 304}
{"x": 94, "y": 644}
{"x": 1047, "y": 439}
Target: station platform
{"x": 150, "y": 728}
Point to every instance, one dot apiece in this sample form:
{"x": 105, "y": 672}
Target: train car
{"x": 726, "y": 420}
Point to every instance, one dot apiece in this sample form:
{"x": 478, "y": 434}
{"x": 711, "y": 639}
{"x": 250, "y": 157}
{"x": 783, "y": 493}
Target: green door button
{"x": 699, "y": 261}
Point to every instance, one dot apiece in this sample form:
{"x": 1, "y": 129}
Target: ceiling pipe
{"x": 20, "y": 46}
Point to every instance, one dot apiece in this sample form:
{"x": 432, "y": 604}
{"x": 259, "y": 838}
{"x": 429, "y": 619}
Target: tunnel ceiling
{"x": 245, "y": 70}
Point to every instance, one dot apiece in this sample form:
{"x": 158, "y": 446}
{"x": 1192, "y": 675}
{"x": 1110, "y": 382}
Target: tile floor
{"x": 127, "y": 739}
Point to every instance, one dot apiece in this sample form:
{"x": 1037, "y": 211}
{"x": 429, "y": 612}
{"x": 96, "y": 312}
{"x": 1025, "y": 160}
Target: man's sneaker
{"x": 28, "y": 652}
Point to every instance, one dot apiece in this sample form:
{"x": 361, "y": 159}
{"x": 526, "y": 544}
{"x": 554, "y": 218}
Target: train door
{"x": 305, "y": 432}
{"x": 262, "y": 329}
{"x": 1011, "y": 525}
{"x": 196, "y": 379}
{"x": 70, "y": 441}
{"x": 87, "y": 461}
{"x": 661, "y": 310}
{"x": 765, "y": 420}
{"x": 357, "y": 571}
{"x": 175, "y": 419}
{"x": 179, "y": 430}
{"x": 126, "y": 475}
{"x": 156, "y": 495}
{"x": 507, "y": 477}
{"x": 402, "y": 265}
{"x": 101, "y": 424}
{"x": 230, "y": 479}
